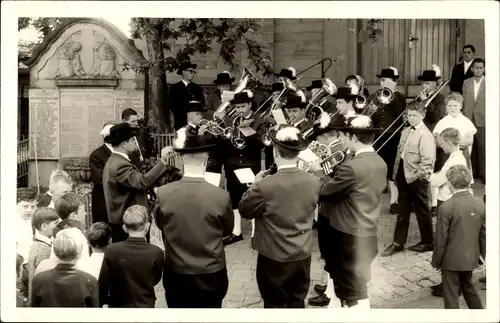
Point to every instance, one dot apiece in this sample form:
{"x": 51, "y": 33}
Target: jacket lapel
{"x": 481, "y": 89}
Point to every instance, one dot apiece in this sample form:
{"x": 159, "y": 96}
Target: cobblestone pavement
{"x": 392, "y": 277}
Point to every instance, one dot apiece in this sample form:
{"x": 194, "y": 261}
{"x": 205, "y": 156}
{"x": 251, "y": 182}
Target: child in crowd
{"x": 26, "y": 206}
{"x": 131, "y": 268}
{"x": 71, "y": 206}
{"x": 460, "y": 240}
{"x": 60, "y": 184}
{"x": 44, "y": 221}
{"x": 65, "y": 285}
{"x": 99, "y": 237}
{"x": 21, "y": 299}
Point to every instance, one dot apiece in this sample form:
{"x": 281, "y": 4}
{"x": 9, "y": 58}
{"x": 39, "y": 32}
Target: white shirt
{"x": 185, "y": 82}
{"x": 122, "y": 154}
{"x": 287, "y": 166}
{"x": 466, "y": 66}
{"x": 477, "y": 85}
{"x": 24, "y": 237}
{"x": 93, "y": 264}
{"x": 439, "y": 179}
{"x": 460, "y": 122}
{"x": 364, "y": 150}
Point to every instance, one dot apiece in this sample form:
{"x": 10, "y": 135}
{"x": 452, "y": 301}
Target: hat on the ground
{"x": 316, "y": 84}
{"x": 390, "y": 72}
{"x": 244, "y": 96}
{"x": 277, "y": 87}
{"x": 195, "y": 106}
{"x": 295, "y": 100}
{"x": 224, "y": 78}
{"x": 358, "y": 124}
{"x": 192, "y": 143}
{"x": 431, "y": 75}
{"x": 347, "y": 92}
{"x": 120, "y": 133}
{"x": 184, "y": 66}
{"x": 289, "y": 73}
{"x": 288, "y": 137}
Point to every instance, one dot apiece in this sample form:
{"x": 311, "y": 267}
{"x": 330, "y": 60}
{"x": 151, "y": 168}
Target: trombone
{"x": 328, "y": 88}
{"x": 383, "y": 97}
{"x": 426, "y": 104}
{"x": 288, "y": 85}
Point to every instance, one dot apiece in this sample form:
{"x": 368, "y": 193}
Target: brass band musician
{"x": 327, "y": 105}
{"x": 436, "y": 109}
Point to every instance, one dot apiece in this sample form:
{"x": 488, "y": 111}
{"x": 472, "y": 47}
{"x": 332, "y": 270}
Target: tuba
{"x": 328, "y": 88}
{"x": 242, "y": 85}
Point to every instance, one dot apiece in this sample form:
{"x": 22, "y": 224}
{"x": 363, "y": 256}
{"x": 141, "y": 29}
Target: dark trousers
{"x": 349, "y": 261}
{"x": 118, "y": 234}
{"x": 195, "y": 291}
{"x": 412, "y": 196}
{"x": 322, "y": 226}
{"x": 234, "y": 187}
{"x": 479, "y": 154}
{"x": 455, "y": 282}
{"x": 283, "y": 284}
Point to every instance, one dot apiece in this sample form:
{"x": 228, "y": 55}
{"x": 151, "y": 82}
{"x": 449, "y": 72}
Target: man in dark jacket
{"x": 462, "y": 70}
{"x": 184, "y": 91}
{"x": 194, "y": 216}
{"x": 436, "y": 109}
{"x": 124, "y": 185}
{"x": 97, "y": 160}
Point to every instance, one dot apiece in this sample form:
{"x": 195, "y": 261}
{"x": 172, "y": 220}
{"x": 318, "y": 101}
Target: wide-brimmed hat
{"x": 390, "y": 72}
{"x": 184, "y": 66}
{"x": 224, "y": 78}
{"x": 358, "y": 124}
{"x": 347, "y": 92}
{"x": 295, "y": 100}
{"x": 242, "y": 97}
{"x": 195, "y": 106}
{"x": 277, "y": 87}
{"x": 320, "y": 128}
{"x": 120, "y": 133}
{"x": 187, "y": 142}
{"x": 289, "y": 73}
{"x": 316, "y": 84}
{"x": 288, "y": 137}
{"x": 430, "y": 75}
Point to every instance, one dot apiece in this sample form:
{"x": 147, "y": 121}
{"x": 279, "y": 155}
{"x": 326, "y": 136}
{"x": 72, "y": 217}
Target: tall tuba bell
{"x": 242, "y": 85}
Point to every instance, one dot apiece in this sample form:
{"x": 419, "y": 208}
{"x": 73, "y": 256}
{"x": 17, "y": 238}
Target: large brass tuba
{"x": 313, "y": 108}
{"x": 246, "y": 77}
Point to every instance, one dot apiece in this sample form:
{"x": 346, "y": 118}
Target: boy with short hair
{"x": 60, "y": 184}
{"x": 44, "y": 221}
{"x": 99, "y": 237}
{"x": 460, "y": 240}
{"x": 131, "y": 268}
{"x": 71, "y": 206}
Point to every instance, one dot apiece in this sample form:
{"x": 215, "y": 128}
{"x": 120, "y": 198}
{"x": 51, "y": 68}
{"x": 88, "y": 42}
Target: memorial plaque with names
{"x": 44, "y": 123}
{"x": 125, "y": 99}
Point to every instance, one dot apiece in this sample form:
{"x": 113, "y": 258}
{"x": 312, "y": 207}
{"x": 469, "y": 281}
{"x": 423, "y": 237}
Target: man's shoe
{"x": 394, "y": 208}
{"x": 482, "y": 280}
{"x": 320, "y": 289}
{"x": 434, "y": 210}
{"x": 232, "y": 239}
{"x": 438, "y": 286}
{"x": 421, "y": 247}
{"x": 437, "y": 292}
{"x": 392, "y": 249}
{"x": 321, "y": 300}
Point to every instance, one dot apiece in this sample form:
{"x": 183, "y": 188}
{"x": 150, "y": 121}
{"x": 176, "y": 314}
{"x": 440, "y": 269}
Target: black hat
{"x": 431, "y": 75}
{"x": 316, "y": 84}
{"x": 391, "y": 73}
{"x": 195, "y": 106}
{"x": 295, "y": 101}
{"x": 319, "y": 129}
{"x": 283, "y": 137}
{"x": 242, "y": 97}
{"x": 120, "y": 133}
{"x": 358, "y": 124}
{"x": 184, "y": 66}
{"x": 224, "y": 78}
{"x": 289, "y": 73}
{"x": 348, "y": 92}
{"x": 189, "y": 143}
{"x": 277, "y": 87}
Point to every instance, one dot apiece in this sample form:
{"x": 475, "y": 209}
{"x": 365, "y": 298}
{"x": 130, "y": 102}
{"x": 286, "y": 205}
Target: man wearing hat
{"x": 345, "y": 97}
{"x": 194, "y": 216}
{"x": 194, "y": 115}
{"x": 288, "y": 73}
{"x": 184, "y": 91}
{"x": 248, "y": 157}
{"x": 383, "y": 118}
{"x": 351, "y": 201}
{"x": 283, "y": 207}
{"x": 97, "y": 160}
{"x": 326, "y": 104}
{"x": 436, "y": 109}
{"x": 295, "y": 109}
{"x": 358, "y": 81}
{"x": 123, "y": 184}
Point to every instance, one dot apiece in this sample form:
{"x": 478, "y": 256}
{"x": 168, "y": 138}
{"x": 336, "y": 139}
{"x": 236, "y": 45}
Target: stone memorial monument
{"x": 77, "y": 82}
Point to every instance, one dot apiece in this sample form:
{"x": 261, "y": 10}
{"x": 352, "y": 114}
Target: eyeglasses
{"x": 191, "y": 71}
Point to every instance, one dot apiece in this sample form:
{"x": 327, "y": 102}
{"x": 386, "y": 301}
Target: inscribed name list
{"x": 44, "y": 123}
{"x": 129, "y": 99}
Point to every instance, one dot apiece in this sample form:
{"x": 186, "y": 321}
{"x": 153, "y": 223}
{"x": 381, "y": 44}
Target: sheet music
{"x": 247, "y": 131}
{"x": 308, "y": 156}
{"x": 227, "y": 96}
{"x": 245, "y": 175}
{"x": 212, "y": 178}
{"x": 278, "y": 116}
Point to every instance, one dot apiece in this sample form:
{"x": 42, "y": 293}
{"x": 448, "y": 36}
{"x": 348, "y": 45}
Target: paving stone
{"x": 251, "y": 300}
{"x": 416, "y": 270}
{"x": 398, "y": 281}
{"x": 412, "y": 277}
{"x": 413, "y": 287}
{"x": 401, "y": 291}
{"x": 435, "y": 279}
{"x": 233, "y": 304}
{"x": 425, "y": 283}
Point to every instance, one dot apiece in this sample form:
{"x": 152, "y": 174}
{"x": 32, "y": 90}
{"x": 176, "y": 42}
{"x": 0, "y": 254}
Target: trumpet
{"x": 383, "y": 97}
{"x": 328, "y": 88}
{"x": 215, "y": 128}
{"x": 426, "y": 104}
{"x": 326, "y": 154}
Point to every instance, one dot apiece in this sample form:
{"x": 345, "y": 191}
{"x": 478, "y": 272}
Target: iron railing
{"x": 22, "y": 162}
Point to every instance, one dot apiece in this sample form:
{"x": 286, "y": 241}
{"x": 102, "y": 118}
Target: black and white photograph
{"x": 291, "y": 160}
